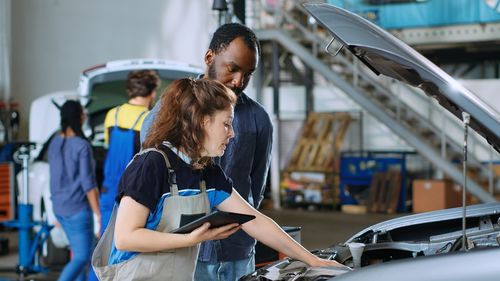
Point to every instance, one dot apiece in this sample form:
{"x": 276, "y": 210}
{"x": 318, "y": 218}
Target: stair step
{"x": 380, "y": 97}
{"x": 435, "y": 143}
{"x": 413, "y": 121}
{"x": 366, "y": 86}
{"x": 427, "y": 133}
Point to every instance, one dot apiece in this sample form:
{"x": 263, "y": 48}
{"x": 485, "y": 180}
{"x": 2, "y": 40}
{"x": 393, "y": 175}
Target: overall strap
{"x": 203, "y": 186}
{"x": 137, "y": 120}
{"x": 116, "y": 116}
{"x": 174, "y": 190}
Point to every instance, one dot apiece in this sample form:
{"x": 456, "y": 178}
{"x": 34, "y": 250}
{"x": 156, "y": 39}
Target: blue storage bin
{"x": 424, "y": 14}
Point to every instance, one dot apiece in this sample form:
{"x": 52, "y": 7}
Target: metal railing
{"x": 380, "y": 88}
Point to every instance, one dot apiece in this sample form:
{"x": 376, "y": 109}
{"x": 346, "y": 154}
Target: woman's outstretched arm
{"x": 268, "y": 232}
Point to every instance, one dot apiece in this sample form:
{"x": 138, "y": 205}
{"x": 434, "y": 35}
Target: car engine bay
{"x": 382, "y": 246}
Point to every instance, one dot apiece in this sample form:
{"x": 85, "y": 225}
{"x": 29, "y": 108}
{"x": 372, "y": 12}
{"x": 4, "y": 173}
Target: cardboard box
{"x": 354, "y": 209}
{"x": 430, "y": 195}
{"x": 496, "y": 170}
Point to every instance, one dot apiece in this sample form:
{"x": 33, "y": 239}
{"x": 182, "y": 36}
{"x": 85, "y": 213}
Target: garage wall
{"x": 54, "y": 40}
{"x": 365, "y": 132}
{"x": 4, "y": 49}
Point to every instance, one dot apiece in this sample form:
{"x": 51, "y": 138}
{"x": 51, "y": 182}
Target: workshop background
{"x": 336, "y": 165}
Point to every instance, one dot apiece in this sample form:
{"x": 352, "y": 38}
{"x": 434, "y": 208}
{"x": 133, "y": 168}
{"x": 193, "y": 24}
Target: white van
{"x": 100, "y": 88}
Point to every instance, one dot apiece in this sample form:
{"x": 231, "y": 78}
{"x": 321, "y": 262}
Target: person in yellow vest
{"x": 122, "y": 127}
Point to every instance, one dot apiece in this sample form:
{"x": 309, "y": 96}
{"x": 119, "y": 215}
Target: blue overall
{"x": 120, "y": 152}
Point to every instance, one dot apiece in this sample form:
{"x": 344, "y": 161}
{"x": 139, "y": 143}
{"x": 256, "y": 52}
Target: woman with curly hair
{"x": 174, "y": 177}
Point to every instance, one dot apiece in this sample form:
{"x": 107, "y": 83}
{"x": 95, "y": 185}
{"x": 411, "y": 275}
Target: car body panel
{"x": 116, "y": 71}
{"x": 385, "y": 54}
{"x": 402, "y": 241}
{"x": 103, "y": 86}
{"x": 429, "y": 217}
{"x": 426, "y": 246}
{"x": 463, "y": 266}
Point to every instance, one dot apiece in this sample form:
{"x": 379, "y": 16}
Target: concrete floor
{"x": 319, "y": 229}
{"x": 9, "y": 262}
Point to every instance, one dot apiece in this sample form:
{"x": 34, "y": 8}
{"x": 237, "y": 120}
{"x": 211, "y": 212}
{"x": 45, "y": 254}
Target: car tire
{"x": 53, "y": 256}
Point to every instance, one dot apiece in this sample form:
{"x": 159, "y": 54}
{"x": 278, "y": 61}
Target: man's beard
{"x": 212, "y": 74}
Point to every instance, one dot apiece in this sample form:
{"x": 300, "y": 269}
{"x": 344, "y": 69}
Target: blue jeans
{"x": 79, "y": 230}
{"x": 224, "y": 271}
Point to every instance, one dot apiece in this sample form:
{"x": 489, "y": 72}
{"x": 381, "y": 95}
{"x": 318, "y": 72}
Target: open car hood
{"x": 385, "y": 54}
{"x": 406, "y": 248}
{"x": 412, "y": 241}
{"x": 428, "y": 223}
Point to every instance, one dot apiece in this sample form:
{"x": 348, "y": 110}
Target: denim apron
{"x": 175, "y": 264}
{"x": 121, "y": 150}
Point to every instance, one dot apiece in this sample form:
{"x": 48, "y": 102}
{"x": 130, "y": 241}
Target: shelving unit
{"x": 311, "y": 178}
{"x": 368, "y": 177}
{"x": 316, "y": 190}
{"x": 6, "y": 192}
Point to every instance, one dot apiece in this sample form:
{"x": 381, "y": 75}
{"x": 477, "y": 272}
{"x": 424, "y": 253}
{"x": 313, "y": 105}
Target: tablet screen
{"x": 216, "y": 219}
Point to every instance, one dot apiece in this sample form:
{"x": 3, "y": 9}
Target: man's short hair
{"x": 142, "y": 83}
{"x": 226, "y": 33}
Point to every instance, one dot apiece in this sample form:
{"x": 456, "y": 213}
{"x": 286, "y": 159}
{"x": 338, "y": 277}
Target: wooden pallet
{"x": 318, "y": 149}
{"x": 384, "y": 192}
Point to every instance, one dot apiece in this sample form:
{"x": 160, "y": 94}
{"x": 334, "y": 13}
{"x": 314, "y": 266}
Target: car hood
{"x": 385, "y": 54}
{"x": 435, "y": 217}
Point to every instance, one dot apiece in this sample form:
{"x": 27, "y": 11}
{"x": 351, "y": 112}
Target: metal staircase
{"x": 378, "y": 95}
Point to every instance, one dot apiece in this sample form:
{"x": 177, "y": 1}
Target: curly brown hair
{"x": 183, "y": 107}
{"x": 142, "y": 83}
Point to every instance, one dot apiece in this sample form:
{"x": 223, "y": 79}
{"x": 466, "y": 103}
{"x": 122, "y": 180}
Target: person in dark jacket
{"x": 231, "y": 59}
{"x": 175, "y": 178}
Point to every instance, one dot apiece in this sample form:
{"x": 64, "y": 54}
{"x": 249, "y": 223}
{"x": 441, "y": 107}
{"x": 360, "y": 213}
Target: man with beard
{"x": 231, "y": 59}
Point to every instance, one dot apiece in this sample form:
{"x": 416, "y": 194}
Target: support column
{"x": 309, "y": 84}
{"x": 5, "y": 50}
{"x": 275, "y": 163}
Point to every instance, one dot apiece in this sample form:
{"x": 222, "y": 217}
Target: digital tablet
{"x": 216, "y": 219}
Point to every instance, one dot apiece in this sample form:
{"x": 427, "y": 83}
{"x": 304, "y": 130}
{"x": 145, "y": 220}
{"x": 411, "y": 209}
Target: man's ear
{"x": 209, "y": 57}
